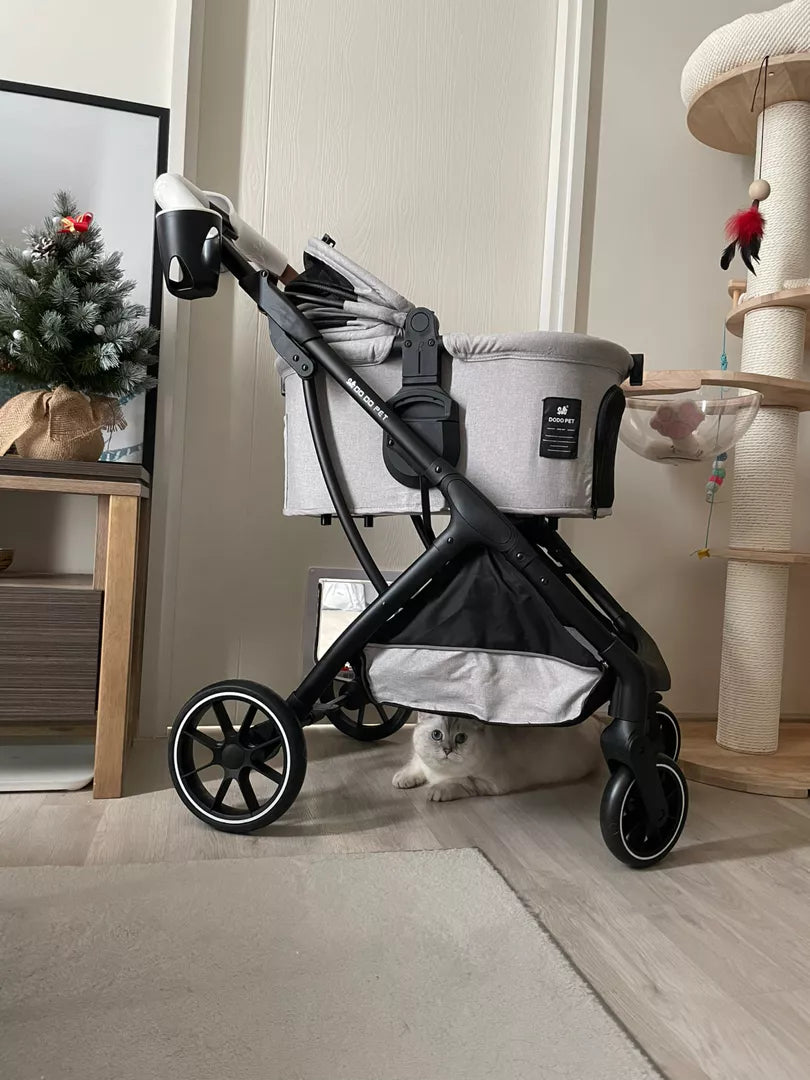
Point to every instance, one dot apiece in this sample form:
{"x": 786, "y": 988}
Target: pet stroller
{"x": 497, "y": 619}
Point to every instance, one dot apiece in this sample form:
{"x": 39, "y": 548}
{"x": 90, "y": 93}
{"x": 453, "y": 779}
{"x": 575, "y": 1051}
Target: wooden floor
{"x": 706, "y": 960}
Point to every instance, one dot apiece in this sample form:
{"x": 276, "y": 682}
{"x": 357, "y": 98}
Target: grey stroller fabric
{"x": 374, "y": 312}
{"x": 503, "y": 384}
{"x": 480, "y": 641}
{"x": 498, "y": 688}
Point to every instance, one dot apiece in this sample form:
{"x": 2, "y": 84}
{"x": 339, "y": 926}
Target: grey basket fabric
{"x": 541, "y": 345}
{"x": 500, "y": 382}
{"x": 495, "y": 687}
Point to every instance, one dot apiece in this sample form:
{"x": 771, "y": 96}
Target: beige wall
{"x": 655, "y": 208}
{"x": 401, "y": 130}
{"x": 110, "y": 47}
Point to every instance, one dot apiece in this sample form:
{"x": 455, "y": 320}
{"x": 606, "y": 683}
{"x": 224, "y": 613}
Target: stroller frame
{"x": 635, "y": 672}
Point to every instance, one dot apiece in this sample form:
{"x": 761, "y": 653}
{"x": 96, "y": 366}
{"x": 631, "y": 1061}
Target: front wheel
{"x": 626, "y": 828}
{"x": 237, "y": 755}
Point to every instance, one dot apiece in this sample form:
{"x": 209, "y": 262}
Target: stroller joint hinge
{"x": 301, "y": 363}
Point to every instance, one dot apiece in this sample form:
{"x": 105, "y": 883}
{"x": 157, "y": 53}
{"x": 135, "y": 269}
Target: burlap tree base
{"x": 58, "y": 425}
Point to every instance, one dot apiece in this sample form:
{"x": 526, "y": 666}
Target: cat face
{"x": 451, "y": 744}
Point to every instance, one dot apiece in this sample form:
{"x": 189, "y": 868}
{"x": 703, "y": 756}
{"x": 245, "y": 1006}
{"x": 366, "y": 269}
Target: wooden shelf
{"x": 9, "y": 579}
{"x": 721, "y": 116}
{"x": 785, "y": 774}
{"x": 36, "y": 730}
{"x": 785, "y": 393}
{"x": 73, "y": 477}
{"x": 774, "y": 558}
{"x": 784, "y": 298}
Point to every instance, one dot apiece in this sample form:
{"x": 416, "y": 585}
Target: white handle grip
{"x": 175, "y": 192}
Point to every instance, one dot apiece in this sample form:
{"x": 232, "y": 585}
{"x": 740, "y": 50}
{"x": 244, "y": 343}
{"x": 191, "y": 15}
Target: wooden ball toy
{"x": 759, "y": 190}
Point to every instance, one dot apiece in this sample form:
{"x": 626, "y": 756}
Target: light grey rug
{"x": 422, "y": 965}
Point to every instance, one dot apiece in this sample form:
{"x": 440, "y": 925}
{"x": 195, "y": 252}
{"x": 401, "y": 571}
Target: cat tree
{"x": 770, "y": 313}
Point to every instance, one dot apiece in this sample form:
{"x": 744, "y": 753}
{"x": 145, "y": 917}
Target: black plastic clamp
{"x": 421, "y": 365}
{"x": 637, "y": 370}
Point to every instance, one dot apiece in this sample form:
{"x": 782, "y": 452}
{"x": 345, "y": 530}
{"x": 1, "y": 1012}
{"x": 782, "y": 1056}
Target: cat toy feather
{"x": 745, "y": 229}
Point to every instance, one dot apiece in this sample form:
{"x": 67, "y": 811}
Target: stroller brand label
{"x": 372, "y": 404}
{"x": 559, "y": 437}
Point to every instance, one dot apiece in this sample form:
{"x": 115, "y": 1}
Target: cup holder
{"x": 190, "y": 244}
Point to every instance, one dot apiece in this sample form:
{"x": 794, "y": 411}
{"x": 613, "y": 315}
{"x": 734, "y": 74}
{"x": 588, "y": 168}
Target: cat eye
{"x": 460, "y": 738}
{"x": 436, "y": 735}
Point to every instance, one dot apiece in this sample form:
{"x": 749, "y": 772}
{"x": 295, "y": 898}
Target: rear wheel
{"x": 356, "y": 714}
{"x": 237, "y": 755}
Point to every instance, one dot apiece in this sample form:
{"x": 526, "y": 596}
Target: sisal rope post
{"x": 765, "y": 460}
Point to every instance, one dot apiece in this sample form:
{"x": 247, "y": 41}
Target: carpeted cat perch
{"x": 723, "y": 88}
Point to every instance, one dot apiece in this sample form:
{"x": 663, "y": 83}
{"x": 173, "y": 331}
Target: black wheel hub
{"x": 233, "y": 756}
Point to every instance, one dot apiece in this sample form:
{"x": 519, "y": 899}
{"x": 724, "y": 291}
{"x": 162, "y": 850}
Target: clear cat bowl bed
{"x": 696, "y": 425}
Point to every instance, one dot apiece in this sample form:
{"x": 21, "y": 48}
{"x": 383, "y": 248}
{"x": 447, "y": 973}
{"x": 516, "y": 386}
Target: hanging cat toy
{"x": 746, "y": 227}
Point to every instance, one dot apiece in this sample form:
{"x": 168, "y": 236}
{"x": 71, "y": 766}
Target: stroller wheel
{"x": 626, "y": 829}
{"x": 237, "y": 755}
{"x": 670, "y": 731}
{"x": 352, "y": 711}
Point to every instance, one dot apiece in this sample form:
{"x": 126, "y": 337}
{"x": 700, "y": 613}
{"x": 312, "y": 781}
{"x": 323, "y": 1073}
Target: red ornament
{"x": 745, "y": 228}
{"x": 78, "y": 224}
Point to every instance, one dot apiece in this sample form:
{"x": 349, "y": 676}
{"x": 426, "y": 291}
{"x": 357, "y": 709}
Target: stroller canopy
{"x": 361, "y": 317}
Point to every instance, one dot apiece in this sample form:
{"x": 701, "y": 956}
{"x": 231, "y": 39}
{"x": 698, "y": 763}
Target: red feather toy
{"x": 745, "y": 229}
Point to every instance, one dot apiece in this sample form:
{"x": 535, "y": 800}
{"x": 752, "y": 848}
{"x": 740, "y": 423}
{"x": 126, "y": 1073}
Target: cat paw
{"x": 408, "y": 778}
{"x": 485, "y": 787}
{"x": 447, "y": 791}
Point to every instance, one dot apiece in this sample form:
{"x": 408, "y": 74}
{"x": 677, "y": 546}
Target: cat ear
{"x": 430, "y": 719}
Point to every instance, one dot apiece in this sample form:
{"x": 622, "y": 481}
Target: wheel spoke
{"x": 361, "y": 712}
{"x": 384, "y": 718}
{"x": 264, "y": 734}
{"x": 199, "y": 769}
{"x": 202, "y": 738}
{"x": 244, "y": 727}
{"x": 223, "y": 718}
{"x": 248, "y": 794}
{"x": 271, "y": 774}
{"x": 222, "y": 791}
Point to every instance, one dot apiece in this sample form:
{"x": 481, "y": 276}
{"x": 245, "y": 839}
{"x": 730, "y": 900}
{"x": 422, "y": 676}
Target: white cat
{"x": 458, "y": 757}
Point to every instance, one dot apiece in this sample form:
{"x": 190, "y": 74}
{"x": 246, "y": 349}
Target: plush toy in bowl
{"x": 693, "y": 426}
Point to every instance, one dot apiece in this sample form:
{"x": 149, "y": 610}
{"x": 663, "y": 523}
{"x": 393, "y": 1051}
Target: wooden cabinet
{"x": 70, "y": 648}
{"x": 50, "y": 631}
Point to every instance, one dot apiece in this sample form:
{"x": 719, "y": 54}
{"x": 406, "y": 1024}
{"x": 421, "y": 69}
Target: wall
{"x": 106, "y": 47}
{"x": 386, "y": 124}
{"x": 656, "y": 202}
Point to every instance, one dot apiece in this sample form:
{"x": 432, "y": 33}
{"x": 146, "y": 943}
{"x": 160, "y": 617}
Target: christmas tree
{"x": 65, "y": 316}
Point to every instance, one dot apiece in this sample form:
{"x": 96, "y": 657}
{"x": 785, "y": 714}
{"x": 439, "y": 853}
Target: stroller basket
{"x": 540, "y": 412}
{"x": 480, "y": 641}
